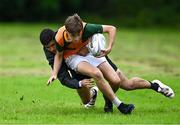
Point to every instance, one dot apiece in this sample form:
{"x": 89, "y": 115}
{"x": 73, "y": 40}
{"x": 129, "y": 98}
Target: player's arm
{"x": 111, "y": 30}
{"x": 49, "y": 57}
{"x": 66, "y": 79}
{"x": 57, "y": 64}
{"x": 91, "y": 29}
{"x": 74, "y": 83}
{"x": 63, "y": 75}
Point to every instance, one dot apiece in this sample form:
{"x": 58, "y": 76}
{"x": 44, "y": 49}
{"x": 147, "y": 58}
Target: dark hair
{"x": 46, "y": 36}
{"x": 74, "y": 24}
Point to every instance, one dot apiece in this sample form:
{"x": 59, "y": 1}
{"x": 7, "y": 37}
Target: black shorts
{"x": 111, "y": 63}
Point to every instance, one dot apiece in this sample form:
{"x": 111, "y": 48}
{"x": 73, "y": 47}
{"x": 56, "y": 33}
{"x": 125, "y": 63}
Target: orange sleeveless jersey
{"x": 71, "y": 48}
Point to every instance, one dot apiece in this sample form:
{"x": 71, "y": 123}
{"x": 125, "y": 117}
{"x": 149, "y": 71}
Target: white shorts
{"x": 74, "y": 60}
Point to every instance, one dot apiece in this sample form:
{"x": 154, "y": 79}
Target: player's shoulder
{"x": 60, "y": 31}
{"x": 59, "y": 35}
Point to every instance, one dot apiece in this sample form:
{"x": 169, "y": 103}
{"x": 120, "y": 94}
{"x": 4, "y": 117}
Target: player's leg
{"x": 108, "y": 72}
{"x": 110, "y": 75}
{"x": 87, "y": 69}
{"x": 88, "y": 66}
{"x": 112, "y": 78}
{"x": 88, "y": 96}
{"x": 93, "y": 96}
{"x": 80, "y": 64}
{"x": 133, "y": 83}
{"x": 84, "y": 94}
{"x": 139, "y": 83}
{"x": 126, "y": 84}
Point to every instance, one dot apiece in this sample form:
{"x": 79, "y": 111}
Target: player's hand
{"x": 51, "y": 79}
{"x": 104, "y": 52}
{"x": 87, "y": 83}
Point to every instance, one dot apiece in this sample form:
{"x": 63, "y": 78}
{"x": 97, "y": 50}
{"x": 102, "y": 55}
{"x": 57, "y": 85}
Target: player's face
{"x": 51, "y": 46}
{"x": 74, "y": 38}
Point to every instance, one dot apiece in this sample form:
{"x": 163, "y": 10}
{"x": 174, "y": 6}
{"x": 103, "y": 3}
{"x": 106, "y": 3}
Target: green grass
{"x": 147, "y": 53}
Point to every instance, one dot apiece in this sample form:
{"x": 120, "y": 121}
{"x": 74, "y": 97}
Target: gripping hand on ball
{"x": 104, "y": 52}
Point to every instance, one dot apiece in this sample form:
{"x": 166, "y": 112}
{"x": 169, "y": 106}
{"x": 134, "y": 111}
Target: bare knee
{"x": 136, "y": 80}
{"x": 127, "y": 85}
{"x": 131, "y": 86}
{"x": 97, "y": 74}
{"x": 116, "y": 81}
{"x": 132, "y": 83}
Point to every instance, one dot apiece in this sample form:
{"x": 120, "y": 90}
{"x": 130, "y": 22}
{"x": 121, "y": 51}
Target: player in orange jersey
{"x": 70, "y": 39}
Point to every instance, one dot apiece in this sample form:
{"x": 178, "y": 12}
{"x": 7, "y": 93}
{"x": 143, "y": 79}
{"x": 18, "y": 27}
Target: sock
{"x": 116, "y": 102}
{"x": 154, "y": 86}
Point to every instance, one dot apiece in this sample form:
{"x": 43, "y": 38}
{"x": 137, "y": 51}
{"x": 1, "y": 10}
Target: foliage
{"x": 125, "y": 12}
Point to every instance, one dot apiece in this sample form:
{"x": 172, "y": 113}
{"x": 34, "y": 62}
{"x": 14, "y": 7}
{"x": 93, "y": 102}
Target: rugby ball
{"x": 97, "y": 43}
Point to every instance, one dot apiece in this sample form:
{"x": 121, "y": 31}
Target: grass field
{"x": 25, "y": 98}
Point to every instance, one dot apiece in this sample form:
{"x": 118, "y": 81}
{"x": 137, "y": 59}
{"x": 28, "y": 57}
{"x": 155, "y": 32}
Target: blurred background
{"x": 129, "y": 13}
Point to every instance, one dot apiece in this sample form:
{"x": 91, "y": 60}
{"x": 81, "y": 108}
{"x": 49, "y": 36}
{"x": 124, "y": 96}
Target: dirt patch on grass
{"x": 24, "y": 71}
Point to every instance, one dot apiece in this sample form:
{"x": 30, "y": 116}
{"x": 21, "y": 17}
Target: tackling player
{"x": 71, "y": 43}
{"x": 48, "y": 41}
